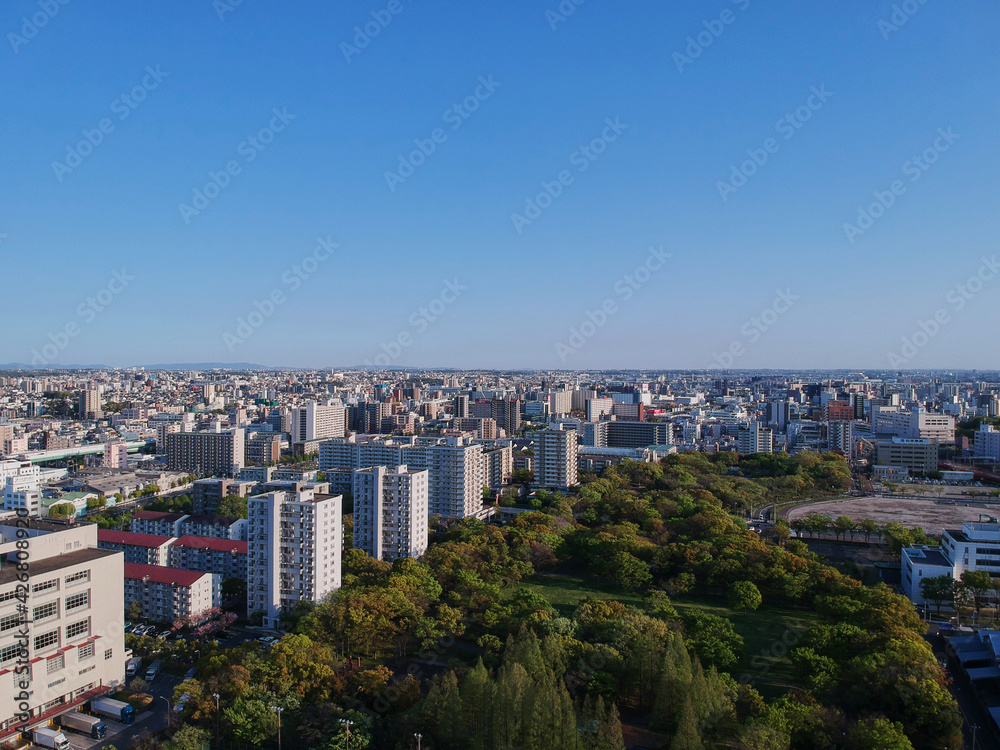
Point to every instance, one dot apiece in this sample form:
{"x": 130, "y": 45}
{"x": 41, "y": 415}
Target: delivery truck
{"x": 84, "y": 724}
{"x": 153, "y": 670}
{"x": 52, "y": 738}
{"x": 117, "y": 710}
{"x": 132, "y": 666}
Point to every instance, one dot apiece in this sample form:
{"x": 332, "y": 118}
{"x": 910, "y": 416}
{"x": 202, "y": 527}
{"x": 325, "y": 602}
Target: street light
{"x": 216, "y": 696}
{"x": 419, "y": 737}
{"x": 974, "y": 728}
{"x": 167, "y": 701}
{"x": 347, "y": 728}
{"x": 278, "y": 710}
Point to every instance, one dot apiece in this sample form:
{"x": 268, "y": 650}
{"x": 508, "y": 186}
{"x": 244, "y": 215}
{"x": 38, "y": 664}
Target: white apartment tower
{"x": 318, "y": 422}
{"x": 457, "y": 477}
{"x": 391, "y": 512}
{"x": 293, "y": 551}
{"x": 556, "y": 459}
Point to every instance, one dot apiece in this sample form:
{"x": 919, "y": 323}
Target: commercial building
{"x": 165, "y": 594}
{"x": 391, "y": 512}
{"x": 219, "y": 452}
{"x": 916, "y": 454}
{"x": 293, "y": 552}
{"x": 75, "y": 647}
{"x": 556, "y": 459}
{"x": 975, "y": 547}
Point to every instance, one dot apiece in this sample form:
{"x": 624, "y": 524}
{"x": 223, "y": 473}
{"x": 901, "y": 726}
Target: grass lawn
{"x": 769, "y": 633}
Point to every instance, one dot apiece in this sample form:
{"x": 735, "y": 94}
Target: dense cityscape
{"x": 499, "y": 559}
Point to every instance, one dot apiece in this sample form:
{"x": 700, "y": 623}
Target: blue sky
{"x": 523, "y": 288}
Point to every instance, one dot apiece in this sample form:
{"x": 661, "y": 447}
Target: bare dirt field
{"x": 925, "y": 514}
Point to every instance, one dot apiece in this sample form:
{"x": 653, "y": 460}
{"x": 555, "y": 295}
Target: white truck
{"x": 117, "y": 710}
{"x": 132, "y": 666}
{"x": 51, "y": 738}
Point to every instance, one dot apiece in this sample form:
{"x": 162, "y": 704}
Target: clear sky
{"x": 434, "y": 255}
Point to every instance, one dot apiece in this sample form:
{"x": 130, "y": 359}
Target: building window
{"x": 77, "y": 629}
{"x": 45, "y": 610}
{"x": 83, "y": 575}
{"x": 108, "y": 654}
{"x": 85, "y": 651}
{"x": 46, "y": 639}
{"x": 54, "y": 664}
{"x": 77, "y": 600}
{"x": 45, "y": 586}
{"x": 10, "y": 622}
{"x": 9, "y": 652}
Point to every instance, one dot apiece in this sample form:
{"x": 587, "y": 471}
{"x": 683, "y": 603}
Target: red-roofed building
{"x": 167, "y": 594}
{"x": 142, "y": 549}
{"x": 225, "y": 557}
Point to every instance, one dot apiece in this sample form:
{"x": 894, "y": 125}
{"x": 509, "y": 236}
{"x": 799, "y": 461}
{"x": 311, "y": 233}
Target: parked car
{"x": 268, "y": 640}
{"x": 190, "y": 674}
{"x": 165, "y": 634}
{"x": 128, "y": 624}
{"x": 182, "y": 702}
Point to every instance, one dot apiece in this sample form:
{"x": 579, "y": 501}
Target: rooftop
{"x": 8, "y": 573}
{"x": 220, "y": 545}
{"x": 161, "y": 574}
{"x": 127, "y": 537}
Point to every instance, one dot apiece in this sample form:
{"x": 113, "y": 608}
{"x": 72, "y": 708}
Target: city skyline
{"x": 557, "y": 186}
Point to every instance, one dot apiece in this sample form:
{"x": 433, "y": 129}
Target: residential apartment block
{"x": 556, "y": 459}
{"x": 293, "y": 552}
{"x": 391, "y": 512}
{"x": 207, "y": 452}
{"x": 165, "y": 594}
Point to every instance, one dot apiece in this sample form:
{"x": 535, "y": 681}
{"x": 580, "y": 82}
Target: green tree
{"x": 744, "y": 595}
{"x": 878, "y": 734}
{"x": 938, "y": 589}
{"x": 251, "y": 720}
{"x": 188, "y": 738}
{"x": 687, "y": 736}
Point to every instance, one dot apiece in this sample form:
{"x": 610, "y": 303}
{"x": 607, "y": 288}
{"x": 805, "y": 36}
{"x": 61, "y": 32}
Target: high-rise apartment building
{"x": 457, "y": 477}
{"x": 499, "y": 466}
{"x": 987, "y": 443}
{"x": 90, "y": 404}
{"x": 318, "y": 422}
{"x": 598, "y": 408}
{"x": 461, "y": 407}
{"x": 556, "y": 459}
{"x": 206, "y": 452}
{"x": 507, "y": 413}
{"x": 754, "y": 439}
{"x": 391, "y": 511}
{"x": 293, "y": 551}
